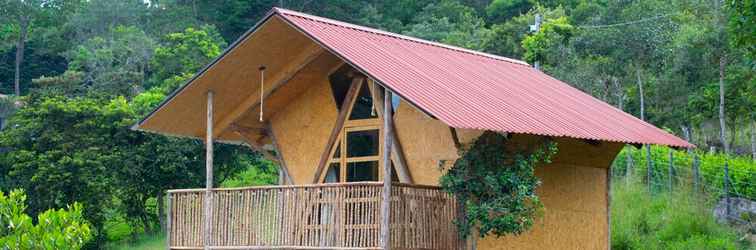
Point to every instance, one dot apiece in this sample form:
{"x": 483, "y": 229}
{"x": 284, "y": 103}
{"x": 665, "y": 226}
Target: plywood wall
{"x": 574, "y": 199}
{"x": 426, "y": 142}
{"x": 302, "y": 129}
{"x": 574, "y": 190}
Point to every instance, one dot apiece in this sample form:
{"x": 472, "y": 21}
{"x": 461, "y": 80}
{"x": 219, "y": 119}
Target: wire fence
{"x": 714, "y": 178}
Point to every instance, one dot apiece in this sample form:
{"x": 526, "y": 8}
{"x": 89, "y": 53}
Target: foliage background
{"x": 92, "y": 68}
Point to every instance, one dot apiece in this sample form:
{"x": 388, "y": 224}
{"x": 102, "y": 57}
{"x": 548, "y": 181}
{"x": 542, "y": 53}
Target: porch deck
{"x": 320, "y": 216}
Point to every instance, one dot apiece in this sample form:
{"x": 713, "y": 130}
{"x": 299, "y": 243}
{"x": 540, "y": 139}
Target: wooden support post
{"x": 629, "y": 161}
{"x": 397, "y": 154}
{"x": 726, "y": 182}
{"x": 168, "y": 221}
{"x": 696, "y": 175}
{"x": 279, "y": 155}
{"x": 386, "y": 202}
{"x": 671, "y": 170}
{"x": 208, "y": 172}
{"x": 649, "y": 169}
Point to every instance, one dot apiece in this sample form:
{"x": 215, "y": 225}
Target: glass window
{"x": 394, "y": 175}
{"x": 362, "y": 143}
{"x": 333, "y": 174}
{"x": 363, "y": 105}
{"x": 362, "y": 171}
{"x": 337, "y": 153}
{"x": 340, "y": 82}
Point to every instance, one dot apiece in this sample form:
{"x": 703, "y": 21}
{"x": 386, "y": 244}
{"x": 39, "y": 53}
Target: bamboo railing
{"x": 332, "y": 216}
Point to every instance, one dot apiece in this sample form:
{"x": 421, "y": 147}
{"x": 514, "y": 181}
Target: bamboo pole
{"x": 208, "y": 171}
{"x": 386, "y": 202}
{"x": 168, "y": 221}
{"x": 397, "y": 154}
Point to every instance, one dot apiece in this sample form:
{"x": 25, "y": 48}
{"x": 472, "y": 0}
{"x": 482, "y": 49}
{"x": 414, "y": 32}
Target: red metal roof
{"x": 474, "y": 90}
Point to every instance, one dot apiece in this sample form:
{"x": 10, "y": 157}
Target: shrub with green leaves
{"x": 496, "y": 183}
{"x": 55, "y": 228}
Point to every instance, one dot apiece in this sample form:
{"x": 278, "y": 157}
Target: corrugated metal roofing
{"x": 474, "y": 90}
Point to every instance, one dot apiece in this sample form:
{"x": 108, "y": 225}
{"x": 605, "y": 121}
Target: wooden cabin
{"x": 363, "y": 123}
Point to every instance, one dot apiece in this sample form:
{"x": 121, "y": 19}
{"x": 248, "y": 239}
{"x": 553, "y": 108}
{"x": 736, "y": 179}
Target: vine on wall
{"x": 495, "y": 182}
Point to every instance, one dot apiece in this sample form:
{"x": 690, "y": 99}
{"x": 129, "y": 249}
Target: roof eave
{"x": 231, "y": 47}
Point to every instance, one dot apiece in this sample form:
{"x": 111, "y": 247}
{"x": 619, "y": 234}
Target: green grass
{"x": 666, "y": 221}
{"x": 142, "y": 242}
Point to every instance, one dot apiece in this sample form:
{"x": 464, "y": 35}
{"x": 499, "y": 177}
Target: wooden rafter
{"x": 253, "y": 101}
{"x": 397, "y": 155}
{"x": 247, "y": 130}
{"x": 279, "y": 154}
{"x": 354, "y": 89}
{"x": 255, "y": 146}
{"x": 455, "y": 138}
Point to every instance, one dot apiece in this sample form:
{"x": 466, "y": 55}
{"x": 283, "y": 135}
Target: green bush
{"x": 55, "y": 229}
{"x": 665, "y": 221}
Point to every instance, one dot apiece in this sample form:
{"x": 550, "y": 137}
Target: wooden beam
{"x": 247, "y": 130}
{"x": 386, "y": 193}
{"x": 455, "y": 138}
{"x": 354, "y": 89}
{"x": 397, "y": 154}
{"x": 255, "y": 146}
{"x": 252, "y": 101}
{"x": 208, "y": 171}
{"x": 279, "y": 154}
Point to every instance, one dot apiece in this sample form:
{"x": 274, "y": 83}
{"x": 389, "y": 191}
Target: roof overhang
{"x": 234, "y": 78}
{"x": 462, "y": 88}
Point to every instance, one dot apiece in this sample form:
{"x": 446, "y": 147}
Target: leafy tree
{"x": 97, "y": 18}
{"x": 553, "y": 32}
{"x": 21, "y": 19}
{"x": 452, "y": 23}
{"x": 115, "y": 64}
{"x": 55, "y": 229}
{"x": 62, "y": 151}
{"x": 186, "y": 52}
{"x": 742, "y": 25}
{"x": 501, "y": 10}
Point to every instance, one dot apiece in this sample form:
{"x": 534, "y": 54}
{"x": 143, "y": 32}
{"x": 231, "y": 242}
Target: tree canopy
{"x": 88, "y": 70}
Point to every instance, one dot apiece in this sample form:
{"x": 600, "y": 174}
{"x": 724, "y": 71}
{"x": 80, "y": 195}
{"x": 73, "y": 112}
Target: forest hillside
{"x": 76, "y": 74}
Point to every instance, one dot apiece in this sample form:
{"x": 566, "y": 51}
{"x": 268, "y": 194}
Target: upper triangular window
{"x": 363, "y": 105}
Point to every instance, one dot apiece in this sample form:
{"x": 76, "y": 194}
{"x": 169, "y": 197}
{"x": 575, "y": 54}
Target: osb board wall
{"x": 302, "y": 129}
{"x": 575, "y": 217}
{"x": 426, "y": 142}
{"x": 312, "y": 74}
{"x": 574, "y": 190}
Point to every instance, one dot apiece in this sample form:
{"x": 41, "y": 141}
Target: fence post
{"x": 649, "y": 170}
{"x": 629, "y": 161}
{"x": 696, "y": 175}
{"x": 671, "y": 170}
{"x": 727, "y": 189}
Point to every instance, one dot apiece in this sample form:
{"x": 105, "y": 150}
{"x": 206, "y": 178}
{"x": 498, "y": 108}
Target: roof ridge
{"x": 395, "y": 35}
